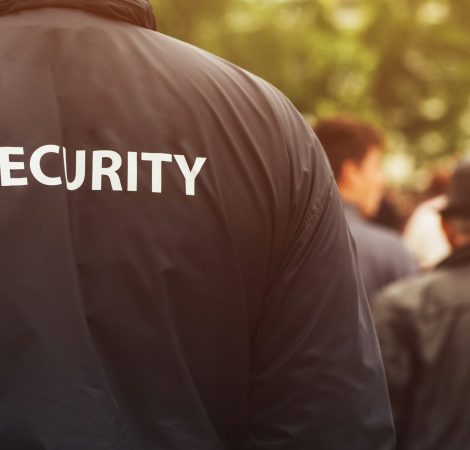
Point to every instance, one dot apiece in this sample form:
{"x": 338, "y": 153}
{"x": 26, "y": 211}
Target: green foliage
{"x": 402, "y": 63}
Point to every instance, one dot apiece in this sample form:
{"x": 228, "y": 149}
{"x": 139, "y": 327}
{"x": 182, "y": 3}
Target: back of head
{"x": 347, "y": 139}
{"x": 354, "y": 149}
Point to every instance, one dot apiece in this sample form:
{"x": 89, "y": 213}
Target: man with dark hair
{"x": 424, "y": 331}
{"x": 176, "y": 271}
{"x": 354, "y": 149}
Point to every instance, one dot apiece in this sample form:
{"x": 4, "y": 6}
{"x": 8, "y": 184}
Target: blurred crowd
{"x": 415, "y": 264}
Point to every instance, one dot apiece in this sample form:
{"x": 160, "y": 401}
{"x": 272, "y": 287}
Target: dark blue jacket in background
{"x": 382, "y": 255}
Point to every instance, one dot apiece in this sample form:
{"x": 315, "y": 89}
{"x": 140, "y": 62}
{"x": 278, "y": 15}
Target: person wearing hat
{"x": 423, "y": 324}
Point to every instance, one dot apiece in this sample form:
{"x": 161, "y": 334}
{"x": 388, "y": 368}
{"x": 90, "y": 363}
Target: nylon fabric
{"x": 423, "y": 326}
{"x": 176, "y": 271}
{"x": 138, "y": 12}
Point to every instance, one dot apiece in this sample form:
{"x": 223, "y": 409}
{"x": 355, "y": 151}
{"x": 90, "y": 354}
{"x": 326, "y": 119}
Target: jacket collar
{"x": 138, "y": 12}
{"x": 458, "y": 258}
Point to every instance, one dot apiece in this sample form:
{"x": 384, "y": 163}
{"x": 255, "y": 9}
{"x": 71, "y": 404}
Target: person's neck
{"x": 350, "y": 198}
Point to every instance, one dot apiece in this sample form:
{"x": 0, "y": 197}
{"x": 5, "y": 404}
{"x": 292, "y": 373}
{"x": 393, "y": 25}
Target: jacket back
{"x": 423, "y": 327}
{"x": 163, "y": 218}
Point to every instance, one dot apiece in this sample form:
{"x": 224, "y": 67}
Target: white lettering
{"x": 190, "y": 174}
{"x": 80, "y": 160}
{"x": 104, "y": 164}
{"x": 157, "y": 160}
{"x": 35, "y": 165}
{"x": 111, "y": 172}
{"x": 6, "y": 166}
{"x": 132, "y": 172}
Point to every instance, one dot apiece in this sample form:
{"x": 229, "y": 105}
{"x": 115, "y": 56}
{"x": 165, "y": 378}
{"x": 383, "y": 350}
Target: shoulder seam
{"x": 320, "y": 207}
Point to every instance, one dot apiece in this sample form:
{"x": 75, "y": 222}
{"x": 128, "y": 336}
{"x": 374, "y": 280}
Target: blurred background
{"x": 402, "y": 64}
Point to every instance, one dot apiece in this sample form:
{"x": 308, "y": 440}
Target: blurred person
{"x": 423, "y": 325}
{"x": 355, "y": 149}
{"x": 423, "y": 234}
{"x": 176, "y": 270}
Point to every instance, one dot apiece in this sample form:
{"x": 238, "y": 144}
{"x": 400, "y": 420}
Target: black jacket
{"x": 176, "y": 272}
{"x": 424, "y": 329}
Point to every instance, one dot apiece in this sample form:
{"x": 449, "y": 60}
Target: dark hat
{"x": 459, "y": 192}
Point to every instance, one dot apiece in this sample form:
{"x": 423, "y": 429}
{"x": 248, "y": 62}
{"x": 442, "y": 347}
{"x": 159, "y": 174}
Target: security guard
{"x": 175, "y": 268}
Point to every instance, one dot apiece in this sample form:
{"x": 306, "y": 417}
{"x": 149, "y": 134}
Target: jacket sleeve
{"x": 317, "y": 376}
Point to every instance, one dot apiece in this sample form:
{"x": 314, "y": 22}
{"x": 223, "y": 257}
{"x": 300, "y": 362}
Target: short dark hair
{"x": 346, "y": 138}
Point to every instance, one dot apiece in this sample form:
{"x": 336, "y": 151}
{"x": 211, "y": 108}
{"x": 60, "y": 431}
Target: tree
{"x": 402, "y": 63}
